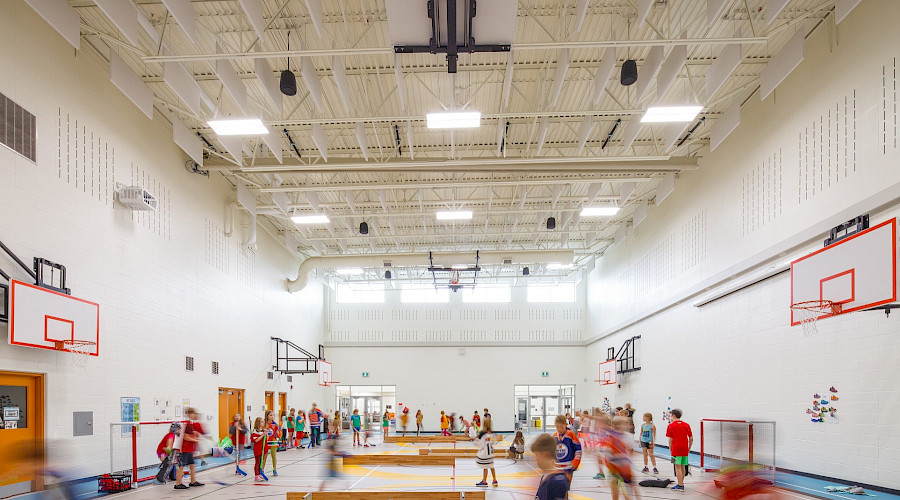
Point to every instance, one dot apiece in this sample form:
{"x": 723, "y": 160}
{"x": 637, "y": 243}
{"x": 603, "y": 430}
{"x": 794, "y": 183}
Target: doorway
{"x": 231, "y": 401}
{"x": 270, "y": 402}
{"x": 370, "y": 400}
{"x": 538, "y": 405}
{"x": 22, "y": 428}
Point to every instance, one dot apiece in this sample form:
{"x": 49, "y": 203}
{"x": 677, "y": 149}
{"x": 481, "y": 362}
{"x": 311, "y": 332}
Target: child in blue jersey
{"x": 568, "y": 448}
{"x": 648, "y": 437}
{"x": 554, "y": 483}
{"x": 355, "y": 423}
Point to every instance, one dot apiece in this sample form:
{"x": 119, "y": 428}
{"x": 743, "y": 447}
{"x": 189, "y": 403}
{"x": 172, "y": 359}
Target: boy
{"x": 554, "y": 483}
{"x": 164, "y": 451}
{"x": 568, "y": 448}
{"x": 191, "y": 436}
{"x": 315, "y": 426}
{"x": 355, "y": 424}
{"x": 680, "y": 441}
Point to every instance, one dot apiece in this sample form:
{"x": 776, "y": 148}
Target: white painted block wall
{"x": 169, "y": 286}
{"x": 774, "y": 188}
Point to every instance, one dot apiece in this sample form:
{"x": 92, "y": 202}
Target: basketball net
{"x": 810, "y": 311}
{"x": 79, "y": 349}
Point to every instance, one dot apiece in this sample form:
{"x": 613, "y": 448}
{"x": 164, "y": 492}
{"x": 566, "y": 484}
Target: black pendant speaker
{"x": 288, "y": 83}
{"x": 629, "y": 72}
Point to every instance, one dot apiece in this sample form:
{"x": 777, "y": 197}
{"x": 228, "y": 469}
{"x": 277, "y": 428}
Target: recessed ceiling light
{"x": 671, "y": 114}
{"x": 453, "y": 119}
{"x": 310, "y": 219}
{"x": 242, "y": 126}
{"x": 555, "y": 266}
{"x": 454, "y": 215}
{"x": 349, "y": 271}
{"x": 599, "y": 211}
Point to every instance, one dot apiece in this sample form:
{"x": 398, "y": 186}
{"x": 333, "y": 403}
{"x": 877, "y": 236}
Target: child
{"x": 164, "y": 451}
{"x": 404, "y": 419}
{"x": 648, "y": 438}
{"x": 355, "y": 424}
{"x": 419, "y": 418}
{"x": 337, "y": 424}
{"x": 445, "y": 424}
{"x": 385, "y": 423}
{"x": 272, "y": 443}
{"x": 290, "y": 427}
{"x": 485, "y": 456}
{"x": 618, "y": 460}
{"x": 554, "y": 483}
{"x": 680, "y": 441}
{"x": 315, "y": 426}
{"x": 259, "y": 438}
{"x": 190, "y": 437}
{"x": 367, "y": 424}
{"x": 464, "y": 426}
{"x": 601, "y": 424}
{"x": 300, "y": 427}
{"x": 476, "y": 422}
{"x": 517, "y": 448}
{"x": 283, "y": 420}
{"x": 568, "y": 447}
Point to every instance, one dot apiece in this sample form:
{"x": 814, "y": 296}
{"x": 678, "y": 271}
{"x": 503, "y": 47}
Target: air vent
{"x": 18, "y": 129}
{"x": 215, "y": 367}
{"x": 270, "y": 375}
{"x": 189, "y": 363}
{"x": 290, "y": 378}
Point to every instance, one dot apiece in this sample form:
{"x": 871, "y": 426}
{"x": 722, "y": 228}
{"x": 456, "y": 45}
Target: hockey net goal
{"x": 738, "y": 443}
{"x": 132, "y": 448}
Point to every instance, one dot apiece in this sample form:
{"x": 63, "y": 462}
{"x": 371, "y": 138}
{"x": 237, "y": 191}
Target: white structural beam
{"x": 722, "y": 68}
{"x": 584, "y": 131}
{"x": 64, "y": 19}
{"x": 725, "y": 125}
{"x": 603, "y": 74}
{"x": 187, "y": 140}
{"x": 562, "y": 66}
{"x": 311, "y": 79}
{"x": 781, "y": 65}
{"x": 253, "y": 9}
{"x": 130, "y": 83}
{"x": 124, "y": 16}
{"x": 670, "y": 69}
{"x": 320, "y": 140}
{"x": 183, "y": 12}
{"x": 267, "y": 79}
{"x": 340, "y": 81}
{"x": 648, "y": 71}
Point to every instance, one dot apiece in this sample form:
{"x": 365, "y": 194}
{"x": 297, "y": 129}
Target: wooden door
{"x": 231, "y": 401}
{"x": 282, "y": 405}
{"x": 270, "y": 402}
{"x": 21, "y": 432}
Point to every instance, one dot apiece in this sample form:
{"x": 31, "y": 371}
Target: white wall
{"x": 169, "y": 285}
{"x": 444, "y": 378}
{"x": 819, "y": 151}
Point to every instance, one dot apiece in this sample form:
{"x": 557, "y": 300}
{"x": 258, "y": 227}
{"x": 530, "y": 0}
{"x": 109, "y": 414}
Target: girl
{"x": 259, "y": 438}
{"x": 337, "y": 424}
{"x": 283, "y": 422}
{"x": 517, "y": 448}
{"x": 445, "y": 424}
{"x": 272, "y": 441}
{"x": 464, "y": 426}
{"x": 385, "y": 423}
{"x": 290, "y": 427}
{"x": 300, "y": 427}
{"x": 476, "y": 422}
{"x": 648, "y": 438}
{"x": 355, "y": 424}
{"x": 419, "y": 418}
{"x": 485, "y": 456}
{"x": 404, "y": 419}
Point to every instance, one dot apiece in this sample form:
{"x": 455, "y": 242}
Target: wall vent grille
{"x": 189, "y": 363}
{"x": 18, "y": 129}
{"x": 215, "y": 367}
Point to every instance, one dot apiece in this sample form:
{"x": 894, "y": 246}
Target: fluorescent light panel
{"x": 599, "y": 211}
{"x": 454, "y": 215}
{"x": 242, "y": 126}
{"x": 666, "y": 114}
{"x": 310, "y": 219}
{"x": 453, "y": 119}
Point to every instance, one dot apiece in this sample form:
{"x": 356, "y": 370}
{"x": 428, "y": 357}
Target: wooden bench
{"x": 426, "y": 439}
{"x": 387, "y": 495}
{"x": 390, "y": 459}
{"x": 458, "y": 452}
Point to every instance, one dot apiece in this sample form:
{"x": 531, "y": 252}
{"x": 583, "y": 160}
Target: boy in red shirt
{"x": 680, "y": 441}
{"x": 192, "y": 433}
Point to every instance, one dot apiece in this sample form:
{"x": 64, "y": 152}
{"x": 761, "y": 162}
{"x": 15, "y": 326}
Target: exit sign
{"x": 365, "y": 374}
{"x": 545, "y": 374}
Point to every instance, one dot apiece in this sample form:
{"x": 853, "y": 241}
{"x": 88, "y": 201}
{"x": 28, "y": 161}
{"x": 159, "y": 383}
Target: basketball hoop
{"x": 81, "y": 349}
{"x": 811, "y": 310}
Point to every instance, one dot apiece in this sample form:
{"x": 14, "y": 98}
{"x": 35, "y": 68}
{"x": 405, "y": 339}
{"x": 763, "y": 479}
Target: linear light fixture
{"x": 668, "y": 114}
{"x": 454, "y": 215}
{"x": 242, "y": 126}
{"x": 310, "y": 219}
{"x": 599, "y": 211}
{"x": 453, "y": 119}
{"x": 349, "y": 271}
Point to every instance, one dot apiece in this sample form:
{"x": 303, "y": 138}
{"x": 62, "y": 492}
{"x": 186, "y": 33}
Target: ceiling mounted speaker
{"x": 363, "y": 228}
{"x": 525, "y": 271}
{"x": 551, "y": 223}
{"x": 288, "y": 83}
{"x": 629, "y": 72}
{"x": 387, "y": 275}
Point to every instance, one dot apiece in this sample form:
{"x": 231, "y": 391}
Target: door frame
{"x": 39, "y": 413}
{"x": 228, "y": 415}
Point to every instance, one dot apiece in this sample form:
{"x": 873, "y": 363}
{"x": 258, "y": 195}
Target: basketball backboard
{"x": 41, "y": 318}
{"x": 324, "y": 373}
{"x": 857, "y": 272}
{"x": 607, "y": 372}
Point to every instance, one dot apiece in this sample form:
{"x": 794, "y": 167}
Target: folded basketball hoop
{"x": 811, "y": 311}
{"x": 81, "y": 349}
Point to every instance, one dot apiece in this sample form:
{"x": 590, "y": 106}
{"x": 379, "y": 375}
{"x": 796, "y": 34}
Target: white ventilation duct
{"x": 421, "y": 259}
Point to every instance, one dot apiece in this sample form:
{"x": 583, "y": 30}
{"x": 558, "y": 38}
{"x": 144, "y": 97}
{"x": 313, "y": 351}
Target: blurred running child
{"x": 648, "y": 438}
{"x": 568, "y": 448}
{"x": 404, "y": 419}
{"x": 445, "y": 424}
{"x": 554, "y": 483}
{"x": 680, "y": 441}
{"x": 385, "y": 423}
{"x": 190, "y": 437}
{"x": 337, "y": 424}
{"x": 259, "y": 438}
{"x": 326, "y": 431}
{"x": 485, "y": 456}
{"x": 333, "y": 464}
{"x": 367, "y": 428}
{"x": 419, "y": 418}
{"x": 272, "y": 441}
{"x": 618, "y": 458}
{"x": 355, "y": 424}
{"x": 600, "y": 426}
{"x": 517, "y": 448}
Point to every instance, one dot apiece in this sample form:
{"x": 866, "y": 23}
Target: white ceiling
{"x": 511, "y": 190}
